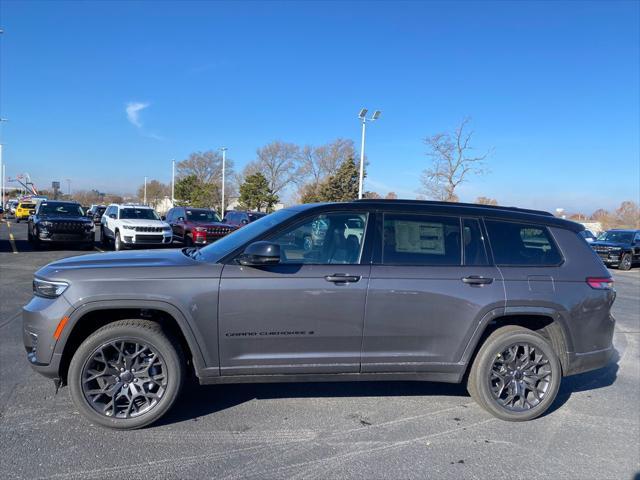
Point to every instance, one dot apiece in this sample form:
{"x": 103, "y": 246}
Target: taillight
{"x": 600, "y": 283}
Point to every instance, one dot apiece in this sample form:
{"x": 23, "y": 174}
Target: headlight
{"x": 128, "y": 227}
{"x": 200, "y": 229}
{"x": 89, "y": 226}
{"x": 615, "y": 249}
{"x": 46, "y": 224}
{"x": 167, "y": 228}
{"x": 47, "y": 289}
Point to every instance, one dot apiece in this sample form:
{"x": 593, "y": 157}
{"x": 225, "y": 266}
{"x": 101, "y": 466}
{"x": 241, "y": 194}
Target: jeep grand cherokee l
{"x": 618, "y": 248}
{"x": 60, "y": 222}
{"x": 507, "y": 300}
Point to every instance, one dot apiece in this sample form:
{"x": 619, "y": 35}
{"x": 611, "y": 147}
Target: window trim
{"x": 552, "y": 241}
{"x": 484, "y": 242}
{"x": 380, "y": 233}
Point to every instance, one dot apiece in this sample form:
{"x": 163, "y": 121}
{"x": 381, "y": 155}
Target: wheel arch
{"x": 94, "y": 315}
{"x": 544, "y": 321}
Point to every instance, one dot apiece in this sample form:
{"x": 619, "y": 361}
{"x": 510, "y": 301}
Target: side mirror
{"x": 260, "y": 253}
{"x": 113, "y": 215}
{"x": 244, "y": 221}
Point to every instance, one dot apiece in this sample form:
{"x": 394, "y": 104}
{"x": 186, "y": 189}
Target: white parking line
{"x": 98, "y": 249}
{"x": 12, "y": 240}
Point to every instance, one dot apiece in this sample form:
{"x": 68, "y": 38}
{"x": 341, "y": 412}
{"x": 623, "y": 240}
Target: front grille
{"x": 148, "y": 229}
{"x": 67, "y": 227}
{"x": 218, "y": 230}
{"x": 150, "y": 239}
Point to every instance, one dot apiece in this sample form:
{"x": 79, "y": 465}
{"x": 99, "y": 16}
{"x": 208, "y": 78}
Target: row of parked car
{"x": 128, "y": 225}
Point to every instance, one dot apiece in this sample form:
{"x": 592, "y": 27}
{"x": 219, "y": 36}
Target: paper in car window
{"x": 418, "y": 237}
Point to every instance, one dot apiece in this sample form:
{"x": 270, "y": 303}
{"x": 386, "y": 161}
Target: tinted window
{"x": 475, "y": 252}
{"x": 138, "y": 213}
{"x": 333, "y": 238}
{"x": 522, "y": 244}
{"x": 60, "y": 209}
{"x": 616, "y": 236}
{"x": 421, "y": 240}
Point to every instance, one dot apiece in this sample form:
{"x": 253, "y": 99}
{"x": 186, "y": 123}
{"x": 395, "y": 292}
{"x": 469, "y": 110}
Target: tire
{"x": 545, "y": 376}
{"x": 117, "y": 242}
{"x": 625, "y": 262}
{"x": 129, "y": 412}
{"x": 188, "y": 241}
{"x": 103, "y": 237}
{"x": 17, "y": 220}
{"x": 29, "y": 236}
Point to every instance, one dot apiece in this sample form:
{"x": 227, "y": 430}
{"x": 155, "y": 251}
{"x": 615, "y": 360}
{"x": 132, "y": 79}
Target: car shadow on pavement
{"x": 200, "y": 400}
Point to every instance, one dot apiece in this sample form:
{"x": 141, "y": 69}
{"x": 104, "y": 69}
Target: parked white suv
{"x": 130, "y": 225}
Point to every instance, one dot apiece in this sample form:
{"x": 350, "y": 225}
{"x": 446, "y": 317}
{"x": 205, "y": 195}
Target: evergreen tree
{"x": 255, "y": 193}
{"x": 343, "y": 186}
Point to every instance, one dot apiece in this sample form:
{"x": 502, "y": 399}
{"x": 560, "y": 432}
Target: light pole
{"x": 145, "y": 191}
{"x": 224, "y": 162}
{"x": 173, "y": 183}
{"x": 363, "y": 117}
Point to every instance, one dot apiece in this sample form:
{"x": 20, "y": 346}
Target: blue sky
{"x": 553, "y": 87}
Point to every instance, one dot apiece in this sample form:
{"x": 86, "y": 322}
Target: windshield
{"x": 253, "y": 216}
{"x": 27, "y": 205}
{"x": 138, "y": 213}
{"x": 202, "y": 216}
{"x": 229, "y": 243}
{"x": 619, "y": 237}
{"x": 60, "y": 209}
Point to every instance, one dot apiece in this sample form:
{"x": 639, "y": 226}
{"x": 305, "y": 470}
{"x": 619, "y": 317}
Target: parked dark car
{"x": 196, "y": 226}
{"x": 96, "y": 213}
{"x": 239, "y": 218}
{"x": 60, "y": 222}
{"x": 505, "y": 299}
{"x": 618, "y": 248}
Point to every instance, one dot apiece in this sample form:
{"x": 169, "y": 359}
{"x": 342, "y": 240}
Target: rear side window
{"x": 421, "y": 240}
{"x": 522, "y": 244}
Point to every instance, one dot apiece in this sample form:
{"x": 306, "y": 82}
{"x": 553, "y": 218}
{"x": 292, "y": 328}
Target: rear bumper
{"x": 585, "y": 362}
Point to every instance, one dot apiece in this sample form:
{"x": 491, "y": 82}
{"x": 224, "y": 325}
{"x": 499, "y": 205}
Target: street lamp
{"x": 224, "y": 161}
{"x": 363, "y": 118}
{"x": 145, "y": 191}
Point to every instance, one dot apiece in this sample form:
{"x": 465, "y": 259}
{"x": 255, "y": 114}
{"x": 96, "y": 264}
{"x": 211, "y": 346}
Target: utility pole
{"x": 145, "y": 191}
{"x": 363, "y": 117}
{"x": 173, "y": 183}
{"x": 224, "y": 161}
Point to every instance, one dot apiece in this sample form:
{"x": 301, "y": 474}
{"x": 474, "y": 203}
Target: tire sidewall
{"x": 486, "y": 357}
{"x": 157, "y": 341}
{"x": 625, "y": 266}
{"x": 117, "y": 242}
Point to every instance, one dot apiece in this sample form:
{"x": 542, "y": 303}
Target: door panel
{"x": 290, "y": 319}
{"x": 304, "y": 315}
{"x": 429, "y": 293}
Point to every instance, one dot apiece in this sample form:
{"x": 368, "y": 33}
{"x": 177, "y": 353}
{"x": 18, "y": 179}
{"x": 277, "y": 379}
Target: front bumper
{"x": 62, "y": 237}
{"x": 40, "y": 318}
{"x": 209, "y": 238}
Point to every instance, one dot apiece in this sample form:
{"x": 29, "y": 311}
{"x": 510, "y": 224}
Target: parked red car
{"x": 196, "y": 226}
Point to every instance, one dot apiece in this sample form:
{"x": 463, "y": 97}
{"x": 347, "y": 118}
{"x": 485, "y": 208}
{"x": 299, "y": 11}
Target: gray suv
{"x": 504, "y": 299}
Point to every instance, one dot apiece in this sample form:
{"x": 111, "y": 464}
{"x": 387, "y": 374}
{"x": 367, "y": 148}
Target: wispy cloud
{"x": 133, "y": 110}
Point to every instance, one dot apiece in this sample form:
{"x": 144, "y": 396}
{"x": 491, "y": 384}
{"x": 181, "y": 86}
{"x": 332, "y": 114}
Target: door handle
{"x": 477, "y": 280}
{"x": 342, "y": 278}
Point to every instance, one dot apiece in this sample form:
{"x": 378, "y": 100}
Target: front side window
{"x": 326, "y": 239}
{"x": 616, "y": 236}
{"x": 521, "y": 244}
{"x": 421, "y": 240}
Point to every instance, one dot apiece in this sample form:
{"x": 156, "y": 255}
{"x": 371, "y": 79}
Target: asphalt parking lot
{"x": 333, "y": 430}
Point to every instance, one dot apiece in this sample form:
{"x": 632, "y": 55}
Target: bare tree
{"x": 156, "y": 192}
{"x": 279, "y": 163}
{"x": 628, "y": 214}
{"x": 317, "y": 163}
{"x": 207, "y": 168}
{"x": 391, "y": 196}
{"x": 486, "y": 201}
{"x": 452, "y": 162}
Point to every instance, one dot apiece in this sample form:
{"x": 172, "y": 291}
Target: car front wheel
{"x": 515, "y": 375}
{"x": 625, "y": 262}
{"x": 126, "y": 375}
{"x": 117, "y": 243}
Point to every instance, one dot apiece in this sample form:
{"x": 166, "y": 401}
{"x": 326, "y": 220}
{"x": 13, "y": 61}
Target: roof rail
{"x": 453, "y": 204}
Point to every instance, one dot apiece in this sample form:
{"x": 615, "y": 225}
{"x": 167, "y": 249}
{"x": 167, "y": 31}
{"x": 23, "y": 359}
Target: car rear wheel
{"x": 625, "y": 262}
{"x": 188, "y": 241}
{"x": 126, "y": 375}
{"x": 516, "y": 374}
